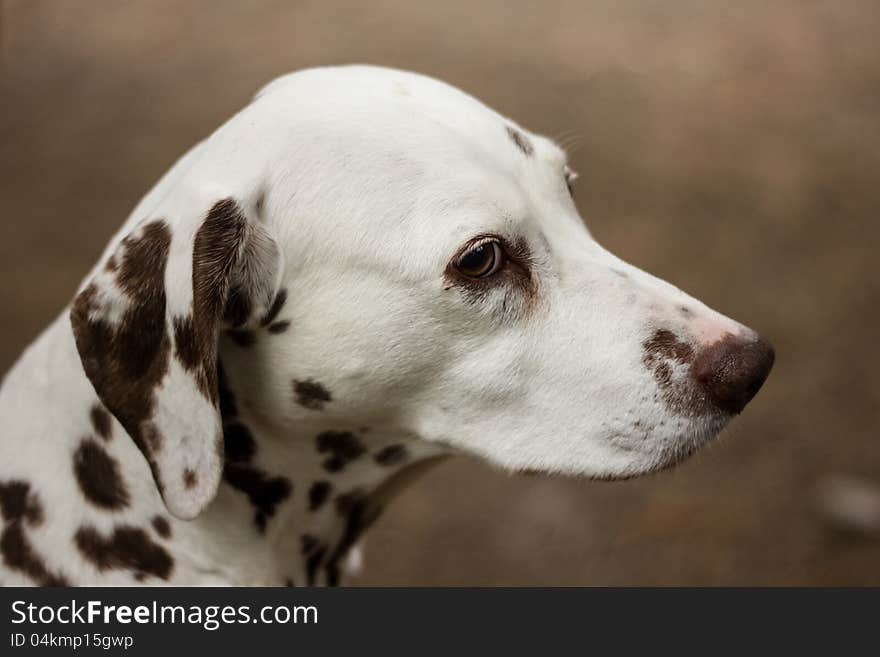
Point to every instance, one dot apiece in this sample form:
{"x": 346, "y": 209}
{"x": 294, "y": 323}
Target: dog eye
{"x": 481, "y": 260}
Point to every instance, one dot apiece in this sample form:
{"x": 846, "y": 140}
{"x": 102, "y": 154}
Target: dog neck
{"x": 312, "y": 490}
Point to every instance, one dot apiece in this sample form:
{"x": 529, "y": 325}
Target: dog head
{"x": 382, "y": 248}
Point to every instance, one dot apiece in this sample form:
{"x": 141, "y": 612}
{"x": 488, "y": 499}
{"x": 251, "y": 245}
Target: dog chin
{"x": 675, "y": 450}
{"x": 680, "y": 449}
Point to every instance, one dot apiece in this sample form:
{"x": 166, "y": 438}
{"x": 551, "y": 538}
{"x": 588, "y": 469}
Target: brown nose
{"x": 732, "y": 370}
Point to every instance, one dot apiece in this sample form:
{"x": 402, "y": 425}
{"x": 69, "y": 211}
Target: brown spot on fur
{"x": 663, "y": 344}
{"x": 342, "y": 446}
{"x": 17, "y": 503}
{"x": 661, "y": 354}
{"x": 264, "y": 492}
{"x": 391, "y": 455}
{"x": 98, "y": 476}
{"x": 311, "y": 394}
{"x": 127, "y": 548}
{"x": 318, "y": 494}
{"x": 276, "y": 307}
{"x": 190, "y": 479}
{"x": 522, "y": 142}
{"x": 20, "y": 507}
{"x": 162, "y": 526}
{"x": 102, "y": 422}
{"x": 19, "y": 554}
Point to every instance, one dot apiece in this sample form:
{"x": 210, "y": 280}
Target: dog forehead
{"x": 401, "y": 109}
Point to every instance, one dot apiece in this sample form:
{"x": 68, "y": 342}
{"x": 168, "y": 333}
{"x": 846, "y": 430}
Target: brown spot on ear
{"x": 20, "y": 507}
{"x": 102, "y": 422}
{"x": 264, "y": 492}
{"x": 188, "y": 352}
{"x": 190, "y": 479}
{"x": 279, "y": 327}
{"x": 217, "y": 250}
{"x": 318, "y": 494}
{"x": 343, "y": 447}
{"x": 311, "y": 394}
{"x": 111, "y": 265}
{"x": 522, "y": 142}
{"x": 98, "y": 476}
{"x": 126, "y": 361}
{"x": 127, "y": 548}
{"x": 391, "y": 455}
{"x": 277, "y": 305}
{"x": 162, "y": 526}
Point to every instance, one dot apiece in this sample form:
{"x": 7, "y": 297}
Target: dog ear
{"x": 146, "y": 325}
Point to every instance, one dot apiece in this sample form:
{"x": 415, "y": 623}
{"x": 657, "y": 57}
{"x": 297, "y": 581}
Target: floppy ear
{"x": 146, "y": 325}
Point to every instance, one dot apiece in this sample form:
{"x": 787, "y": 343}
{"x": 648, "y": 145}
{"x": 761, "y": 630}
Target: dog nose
{"x": 732, "y": 370}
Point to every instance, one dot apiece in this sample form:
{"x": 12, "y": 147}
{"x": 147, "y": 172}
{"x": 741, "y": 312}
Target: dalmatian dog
{"x": 363, "y": 271}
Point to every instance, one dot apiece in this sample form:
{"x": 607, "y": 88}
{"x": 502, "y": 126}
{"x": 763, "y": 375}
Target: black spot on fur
{"x": 522, "y": 142}
{"x": 263, "y": 491}
{"x": 343, "y": 447}
{"x": 97, "y": 474}
{"x": 311, "y": 394}
{"x": 127, "y": 548}
{"x": 391, "y": 455}
{"x": 162, "y": 526}
{"x": 318, "y": 494}
{"x": 102, "y": 422}
{"x": 20, "y": 508}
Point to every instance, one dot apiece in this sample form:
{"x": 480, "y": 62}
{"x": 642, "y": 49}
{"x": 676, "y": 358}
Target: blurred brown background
{"x": 732, "y": 148}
